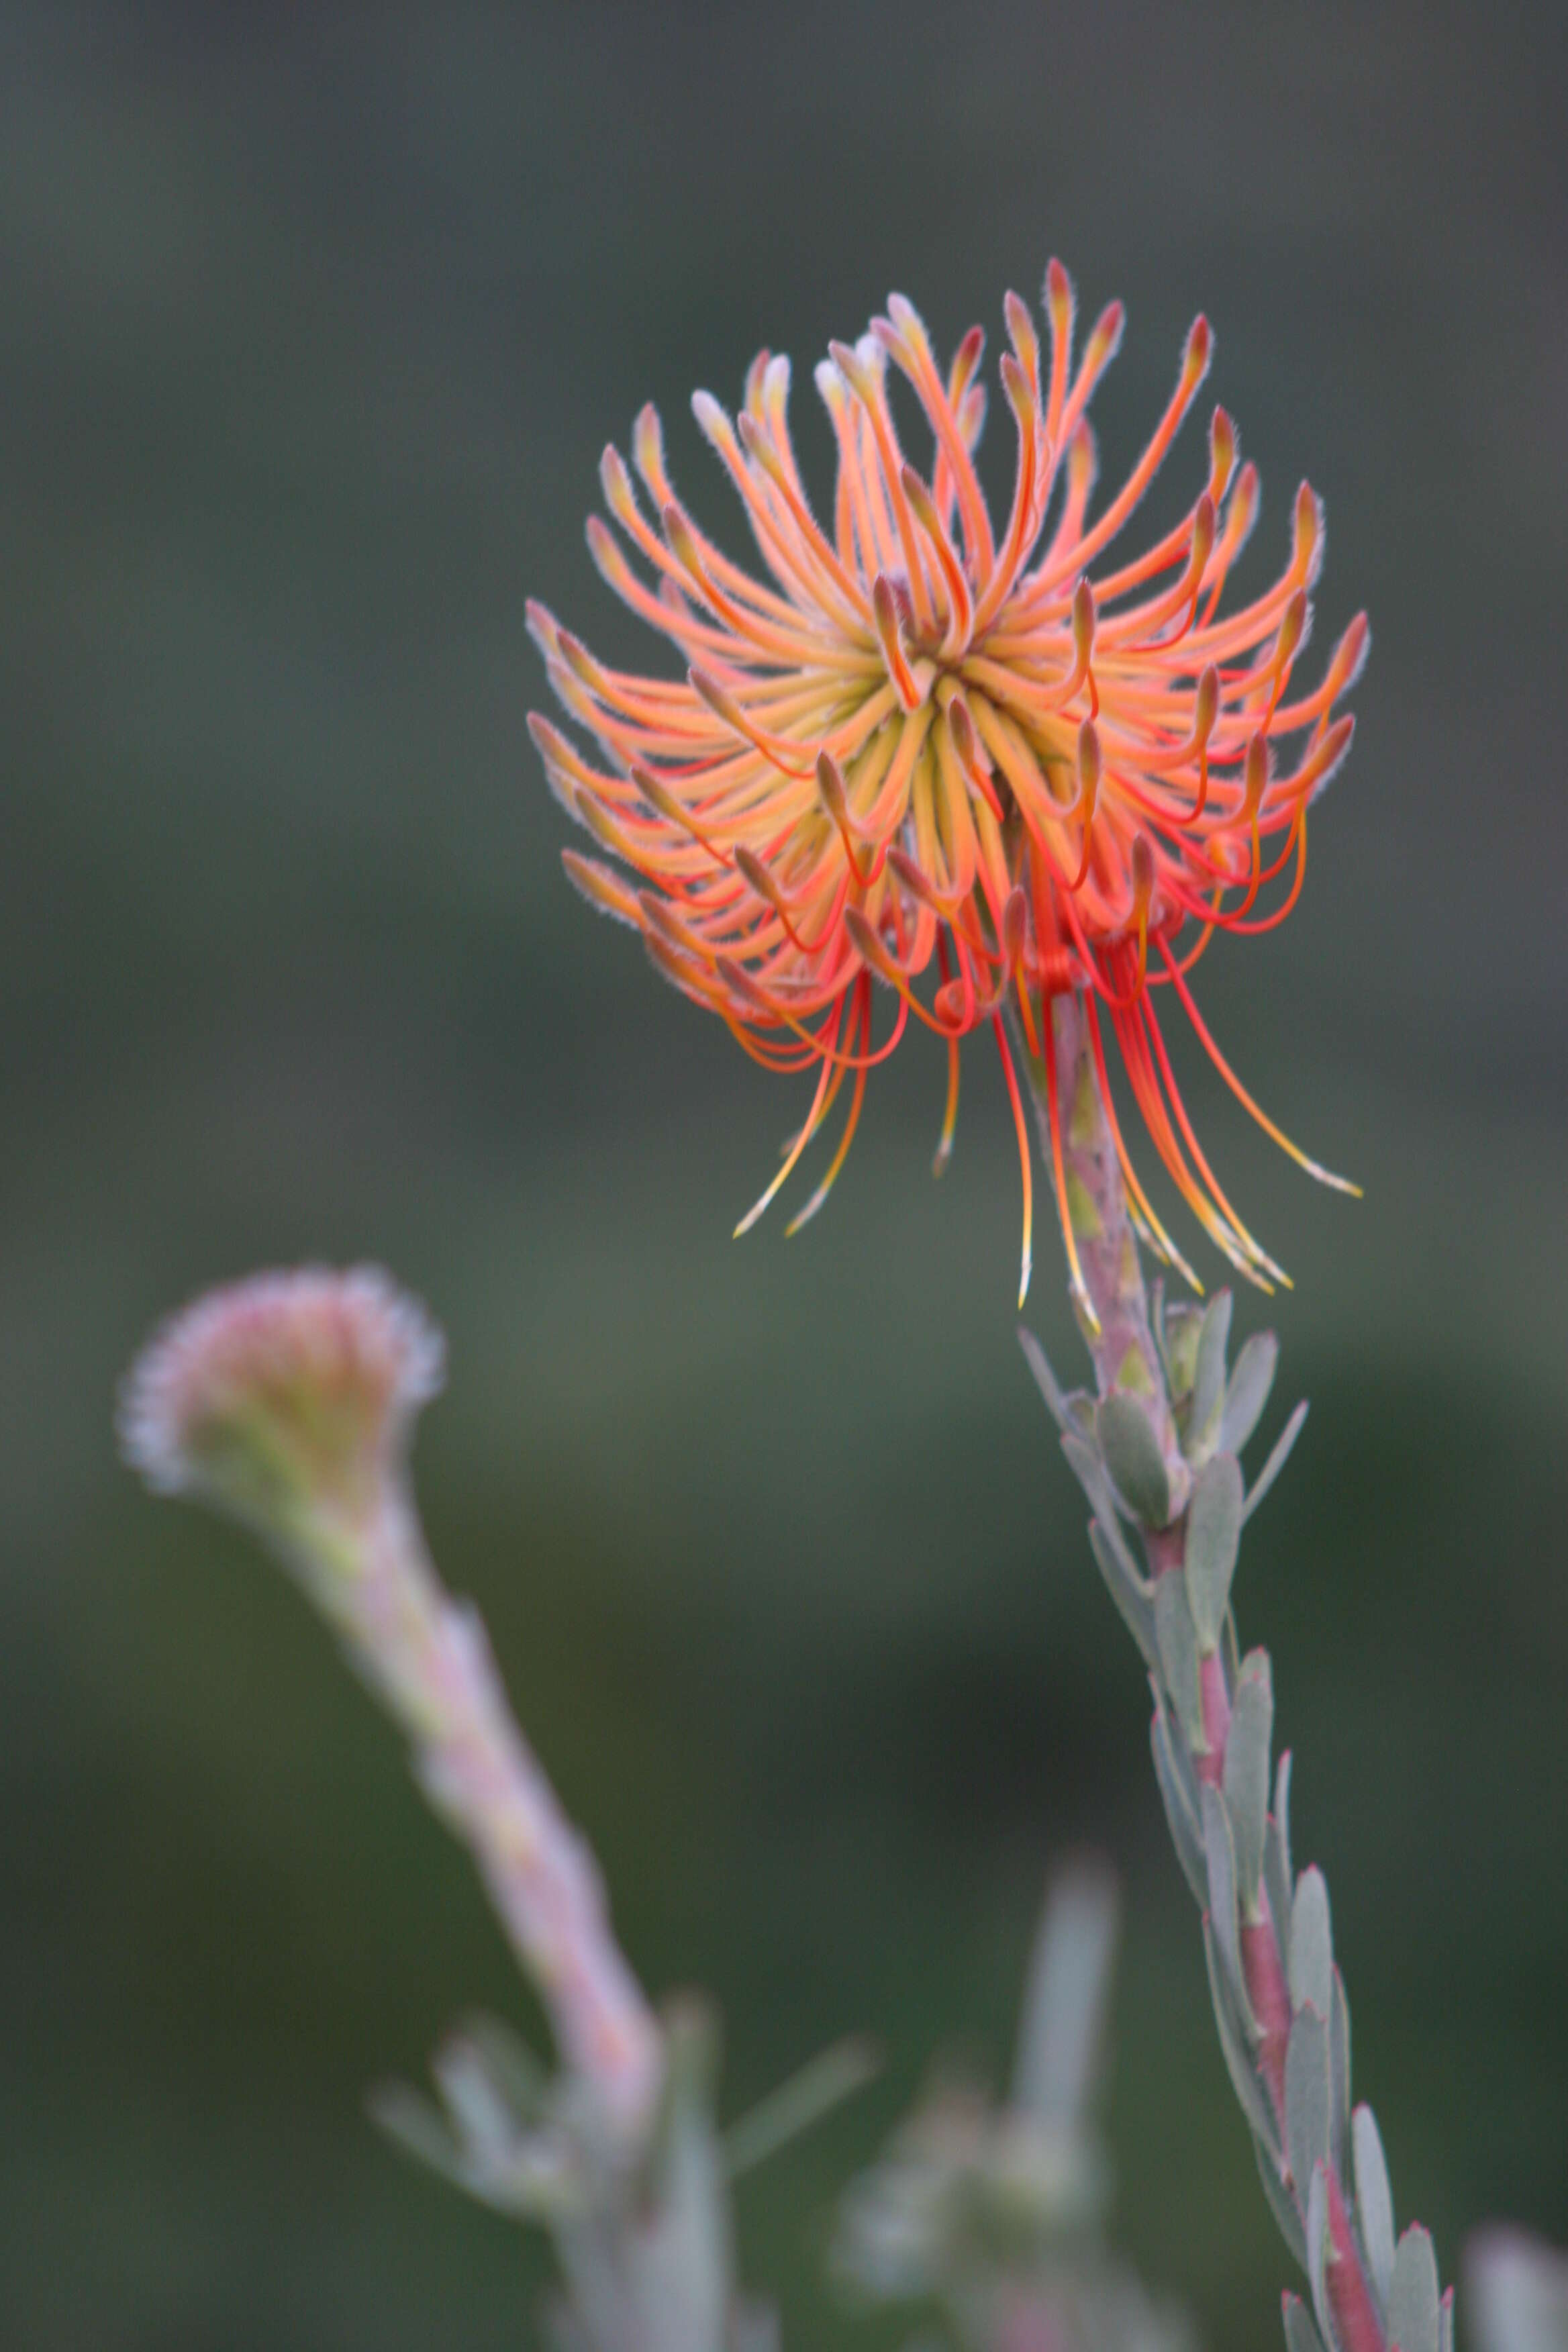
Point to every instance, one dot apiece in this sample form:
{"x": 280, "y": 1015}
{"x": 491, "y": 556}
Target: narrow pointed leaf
{"x": 1282, "y": 1811}
{"x": 1281, "y": 2203}
{"x": 1246, "y": 1771}
{"x": 1277, "y": 1459}
{"x": 1131, "y": 1455}
{"x": 1340, "y": 2077}
{"x": 1208, "y": 1378}
{"x": 1306, "y": 2095}
{"x": 1311, "y": 1945}
{"x": 1300, "y": 2334}
{"x": 1374, "y": 2202}
{"x": 1213, "y": 1538}
{"x": 1243, "y": 2076}
{"x": 1177, "y": 1640}
{"x": 1220, "y": 1852}
{"x": 821, "y": 2084}
{"x": 1250, "y": 1383}
{"x": 1186, "y": 1832}
{"x": 1414, "y": 2323}
{"x": 1318, "y": 2254}
{"x": 1132, "y": 1593}
{"x": 1045, "y": 1378}
{"x": 1087, "y": 1467}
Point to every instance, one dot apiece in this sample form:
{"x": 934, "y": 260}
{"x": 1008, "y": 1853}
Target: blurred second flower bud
{"x": 285, "y": 1398}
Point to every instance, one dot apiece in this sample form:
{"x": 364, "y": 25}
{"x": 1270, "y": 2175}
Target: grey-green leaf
{"x": 1300, "y": 2334}
{"x": 1045, "y": 1379}
{"x": 1133, "y": 1595}
{"x": 1414, "y": 2323}
{"x": 1374, "y": 2202}
{"x": 1246, "y": 1771}
{"x": 1282, "y": 1812}
{"x": 1306, "y": 2095}
{"x": 1254, "y": 2105}
{"x": 1185, "y": 1835}
{"x": 1317, "y": 2203}
{"x": 1311, "y": 1946}
{"x": 1339, "y": 2076}
{"x": 1220, "y": 1852}
{"x": 1183, "y": 1330}
{"x": 1208, "y": 1378}
{"x": 1277, "y": 1459}
{"x": 1282, "y": 2204}
{"x": 1213, "y": 1540}
{"x": 1131, "y": 1454}
{"x": 1083, "y": 1460}
{"x": 1250, "y": 1383}
{"x": 1177, "y": 1640}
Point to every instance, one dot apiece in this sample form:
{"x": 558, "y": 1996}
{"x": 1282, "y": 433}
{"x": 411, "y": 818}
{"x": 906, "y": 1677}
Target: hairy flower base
{"x": 924, "y": 751}
{"x": 288, "y": 1387}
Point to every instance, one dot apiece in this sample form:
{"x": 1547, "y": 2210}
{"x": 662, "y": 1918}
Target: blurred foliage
{"x": 314, "y": 323}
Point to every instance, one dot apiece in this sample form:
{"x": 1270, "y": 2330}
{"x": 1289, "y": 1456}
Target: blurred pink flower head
{"x": 282, "y": 1392}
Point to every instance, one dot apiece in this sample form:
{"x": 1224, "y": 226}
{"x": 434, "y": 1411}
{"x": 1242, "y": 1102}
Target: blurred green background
{"x": 314, "y": 323}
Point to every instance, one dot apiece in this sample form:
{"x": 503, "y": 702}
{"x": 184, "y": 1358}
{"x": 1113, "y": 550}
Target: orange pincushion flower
{"x": 925, "y": 753}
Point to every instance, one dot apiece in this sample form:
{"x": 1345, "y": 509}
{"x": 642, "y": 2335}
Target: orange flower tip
{"x": 660, "y": 915}
{"x": 1222, "y": 451}
{"x": 1083, "y": 619}
{"x": 283, "y": 1396}
{"x": 603, "y": 891}
{"x": 850, "y": 366}
{"x": 1204, "y": 525}
{"x": 1199, "y": 352}
{"x": 679, "y": 534}
{"x": 830, "y": 785}
{"x": 1254, "y": 776}
{"x": 916, "y": 881}
{"x": 961, "y": 727}
{"x": 616, "y": 483}
{"x": 739, "y": 980}
{"x": 711, "y": 421}
{"x": 1105, "y": 337}
{"x": 1205, "y": 708}
{"x": 1143, "y": 871}
{"x": 722, "y": 704}
{"x": 829, "y": 385}
{"x": 1292, "y": 627}
{"x": 1329, "y": 757}
{"x": 1058, "y": 289}
{"x": 1306, "y": 531}
{"x": 760, "y": 880}
{"x": 1350, "y": 652}
{"x": 948, "y": 1004}
{"x": 648, "y": 444}
{"x": 1021, "y": 329}
{"x": 1089, "y": 759}
{"x": 679, "y": 970}
{"x": 1016, "y": 384}
{"x": 542, "y": 626}
{"x": 597, "y": 819}
{"x": 577, "y": 657}
{"x": 868, "y": 947}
